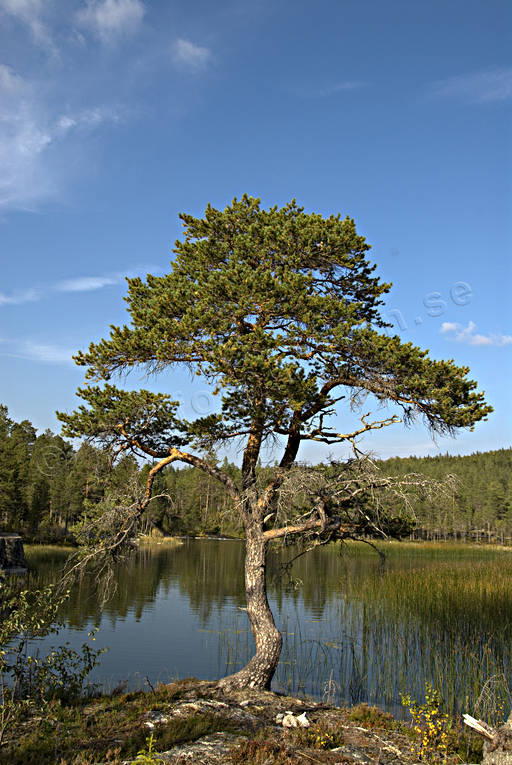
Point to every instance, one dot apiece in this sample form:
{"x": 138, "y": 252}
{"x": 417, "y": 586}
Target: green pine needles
{"x": 280, "y": 310}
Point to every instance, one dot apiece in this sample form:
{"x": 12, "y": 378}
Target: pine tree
{"x": 279, "y": 310}
{"x": 6, "y": 469}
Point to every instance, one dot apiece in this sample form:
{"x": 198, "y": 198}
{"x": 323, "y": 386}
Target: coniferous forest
{"x": 47, "y": 486}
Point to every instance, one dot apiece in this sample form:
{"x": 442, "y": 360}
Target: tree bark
{"x": 259, "y": 671}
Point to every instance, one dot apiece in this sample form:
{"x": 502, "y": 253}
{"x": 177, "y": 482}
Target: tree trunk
{"x": 260, "y": 670}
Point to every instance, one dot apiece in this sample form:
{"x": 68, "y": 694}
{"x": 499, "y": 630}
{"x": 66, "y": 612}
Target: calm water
{"x": 352, "y": 627}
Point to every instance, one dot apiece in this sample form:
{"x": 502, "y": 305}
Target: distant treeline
{"x": 480, "y": 505}
{"x": 47, "y": 486}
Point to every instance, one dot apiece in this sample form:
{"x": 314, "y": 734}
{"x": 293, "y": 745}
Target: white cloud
{"x": 478, "y": 87}
{"x": 468, "y": 335}
{"x": 48, "y": 353}
{"x": 76, "y": 284}
{"x": 48, "y": 103}
{"x": 10, "y": 82}
{"x": 331, "y": 90}
{"x": 28, "y": 132}
{"x": 187, "y": 54}
{"x": 88, "y": 283}
{"x": 110, "y": 19}
{"x": 87, "y": 118}
{"x": 29, "y": 12}
{"x": 32, "y": 351}
{"x": 20, "y": 297}
{"x": 24, "y": 136}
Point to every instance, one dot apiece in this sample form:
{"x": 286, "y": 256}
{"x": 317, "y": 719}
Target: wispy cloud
{"x": 111, "y": 19}
{"x": 189, "y": 55}
{"x": 471, "y": 337}
{"x": 30, "y": 13}
{"x": 88, "y": 283}
{"x": 87, "y": 118}
{"x": 28, "y": 133}
{"x": 20, "y": 297}
{"x": 48, "y": 103}
{"x": 23, "y": 139}
{"x": 77, "y": 284}
{"x": 45, "y": 352}
{"x": 33, "y": 351}
{"x": 331, "y": 90}
{"x": 478, "y": 88}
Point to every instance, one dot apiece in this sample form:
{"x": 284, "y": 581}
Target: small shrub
{"x": 430, "y": 724}
{"x": 28, "y": 682}
{"x": 371, "y": 717}
{"x": 147, "y": 756}
{"x": 317, "y": 737}
{"x": 464, "y": 744}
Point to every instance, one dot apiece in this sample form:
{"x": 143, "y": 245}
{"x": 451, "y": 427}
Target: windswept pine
{"x": 280, "y": 311}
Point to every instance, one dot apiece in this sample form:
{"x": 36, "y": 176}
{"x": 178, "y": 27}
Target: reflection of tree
{"x": 136, "y": 584}
{"x": 206, "y": 572}
{"x": 210, "y": 575}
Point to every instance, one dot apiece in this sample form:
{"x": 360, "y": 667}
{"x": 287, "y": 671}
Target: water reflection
{"x": 368, "y": 631}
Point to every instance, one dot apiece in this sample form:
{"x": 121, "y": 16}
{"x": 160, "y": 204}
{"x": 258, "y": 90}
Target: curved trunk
{"x": 260, "y": 670}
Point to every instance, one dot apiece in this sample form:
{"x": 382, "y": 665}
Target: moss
{"x": 191, "y": 728}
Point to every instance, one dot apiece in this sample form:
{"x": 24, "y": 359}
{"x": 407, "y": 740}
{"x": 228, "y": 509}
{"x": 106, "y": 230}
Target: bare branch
{"x": 330, "y": 437}
{"x": 177, "y": 455}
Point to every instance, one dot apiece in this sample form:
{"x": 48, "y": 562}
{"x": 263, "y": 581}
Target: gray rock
{"x": 209, "y": 750}
{"x": 354, "y": 754}
{"x": 12, "y": 555}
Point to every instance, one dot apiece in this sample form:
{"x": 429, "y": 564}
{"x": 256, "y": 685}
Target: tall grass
{"x": 442, "y": 616}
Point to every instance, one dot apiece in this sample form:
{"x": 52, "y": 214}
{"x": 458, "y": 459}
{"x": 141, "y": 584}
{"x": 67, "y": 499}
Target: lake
{"x": 355, "y": 629}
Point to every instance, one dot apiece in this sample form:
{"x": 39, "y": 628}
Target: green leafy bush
{"x": 28, "y": 681}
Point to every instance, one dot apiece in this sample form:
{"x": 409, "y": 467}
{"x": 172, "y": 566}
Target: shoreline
{"x": 195, "y": 721}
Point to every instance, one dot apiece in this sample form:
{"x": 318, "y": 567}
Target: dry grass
{"x": 157, "y": 539}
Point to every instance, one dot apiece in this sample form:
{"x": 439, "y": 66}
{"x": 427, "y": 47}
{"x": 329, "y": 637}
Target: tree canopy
{"x": 279, "y": 309}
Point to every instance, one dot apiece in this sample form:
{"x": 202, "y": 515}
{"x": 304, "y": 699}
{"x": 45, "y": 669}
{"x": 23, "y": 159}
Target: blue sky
{"x": 115, "y": 115}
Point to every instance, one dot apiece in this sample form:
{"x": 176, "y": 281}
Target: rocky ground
{"x": 191, "y": 722}
{"x": 264, "y": 728}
